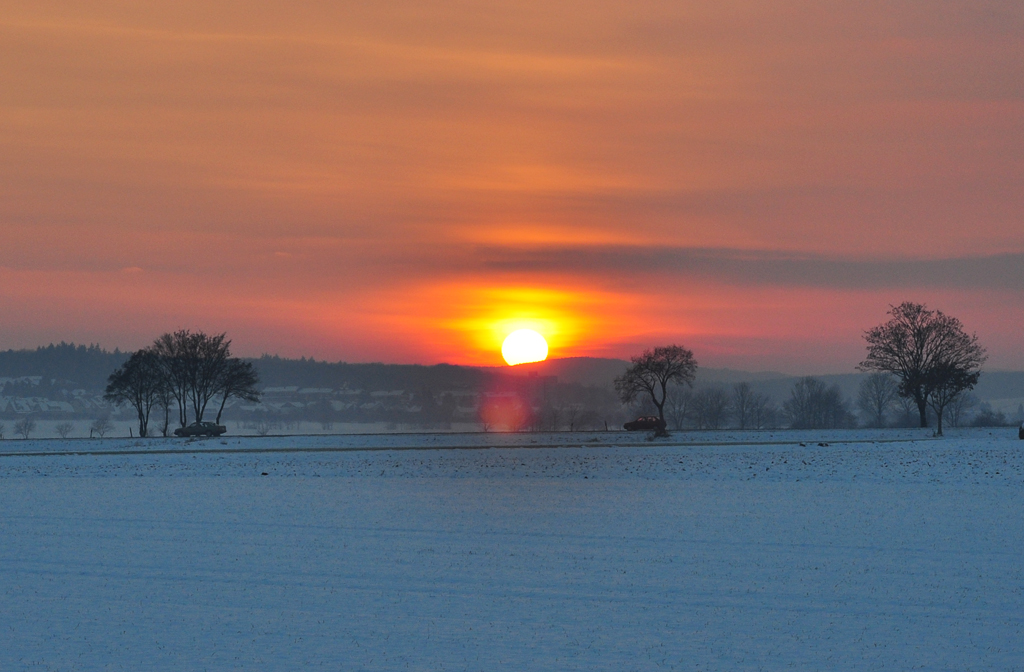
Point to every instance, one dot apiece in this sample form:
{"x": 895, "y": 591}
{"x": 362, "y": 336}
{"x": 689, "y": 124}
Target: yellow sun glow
{"x": 524, "y": 345}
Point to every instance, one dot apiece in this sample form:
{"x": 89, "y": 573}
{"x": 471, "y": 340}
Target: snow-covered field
{"x": 714, "y": 551}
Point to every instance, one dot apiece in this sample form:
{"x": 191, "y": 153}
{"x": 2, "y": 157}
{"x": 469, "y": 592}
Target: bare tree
{"x": 63, "y": 429}
{"x": 906, "y": 412}
{"x": 589, "y": 419}
{"x": 163, "y": 401}
{"x": 678, "y": 406}
{"x": 947, "y": 381}
{"x": 174, "y": 361}
{"x": 742, "y": 404}
{"x": 928, "y": 352}
{"x": 193, "y": 366}
{"x": 211, "y": 364}
{"x": 100, "y": 427}
{"x": 710, "y": 408}
{"x": 264, "y": 424}
{"x": 813, "y": 405}
{"x": 650, "y": 374}
{"x": 24, "y": 427}
{"x": 550, "y": 416}
{"x": 139, "y": 383}
{"x": 573, "y": 413}
{"x": 960, "y": 407}
{"x": 876, "y": 396}
{"x": 238, "y": 379}
{"x": 763, "y": 412}
{"x": 2, "y": 428}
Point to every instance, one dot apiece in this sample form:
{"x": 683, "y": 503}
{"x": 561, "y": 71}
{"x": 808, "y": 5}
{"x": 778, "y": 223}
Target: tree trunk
{"x": 922, "y": 407}
{"x": 663, "y": 430}
{"x": 221, "y": 409}
{"x": 938, "y": 431}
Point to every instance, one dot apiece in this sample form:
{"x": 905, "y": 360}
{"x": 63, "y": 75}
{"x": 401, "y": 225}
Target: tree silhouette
{"x": 239, "y": 380}
{"x": 711, "y": 408}
{"x": 814, "y": 405}
{"x": 651, "y": 373}
{"x": 742, "y": 403}
{"x": 875, "y": 397}
{"x": 194, "y": 366}
{"x": 139, "y": 382}
{"x": 929, "y": 353}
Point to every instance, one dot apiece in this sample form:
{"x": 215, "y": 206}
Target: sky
{"x": 410, "y": 181}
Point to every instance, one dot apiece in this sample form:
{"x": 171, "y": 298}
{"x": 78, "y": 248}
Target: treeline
{"x": 61, "y": 366}
{"x": 275, "y": 371}
{"x": 812, "y": 404}
{"x": 66, "y": 366}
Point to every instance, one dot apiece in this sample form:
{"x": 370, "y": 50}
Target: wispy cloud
{"x": 1003, "y": 272}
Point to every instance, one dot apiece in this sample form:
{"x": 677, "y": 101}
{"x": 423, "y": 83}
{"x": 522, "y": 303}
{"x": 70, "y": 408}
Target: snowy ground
{"x": 716, "y": 551}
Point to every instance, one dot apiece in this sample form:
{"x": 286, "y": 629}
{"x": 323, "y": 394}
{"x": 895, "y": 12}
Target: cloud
{"x": 764, "y": 268}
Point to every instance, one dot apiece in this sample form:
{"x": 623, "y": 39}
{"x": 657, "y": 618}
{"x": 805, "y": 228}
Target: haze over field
{"x": 409, "y": 182}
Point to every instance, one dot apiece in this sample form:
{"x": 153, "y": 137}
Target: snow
{"x": 709, "y": 551}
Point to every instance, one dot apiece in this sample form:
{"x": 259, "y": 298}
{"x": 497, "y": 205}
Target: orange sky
{"x": 408, "y": 181}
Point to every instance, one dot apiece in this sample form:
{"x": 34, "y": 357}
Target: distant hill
{"x": 279, "y": 372}
{"x": 729, "y": 376}
{"x": 79, "y": 366}
{"x": 593, "y": 371}
{"x": 69, "y": 365}
{"x": 602, "y": 372}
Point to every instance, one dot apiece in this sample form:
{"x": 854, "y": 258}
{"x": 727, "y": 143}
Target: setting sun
{"x": 524, "y": 345}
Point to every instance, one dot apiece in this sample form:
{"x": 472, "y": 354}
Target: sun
{"x": 524, "y": 345}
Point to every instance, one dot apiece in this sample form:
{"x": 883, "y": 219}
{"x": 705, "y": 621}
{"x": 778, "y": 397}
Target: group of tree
{"x": 933, "y": 359}
{"x": 920, "y": 357}
{"x": 881, "y": 406}
{"x": 186, "y": 369}
{"x": 714, "y": 407}
{"x": 814, "y": 405}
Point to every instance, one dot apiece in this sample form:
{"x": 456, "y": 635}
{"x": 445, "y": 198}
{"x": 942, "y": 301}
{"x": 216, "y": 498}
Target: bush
{"x": 990, "y": 418}
{"x": 100, "y": 427}
{"x": 24, "y": 427}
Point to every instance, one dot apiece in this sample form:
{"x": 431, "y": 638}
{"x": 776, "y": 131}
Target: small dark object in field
{"x": 264, "y": 474}
{"x": 201, "y": 429}
{"x": 1020, "y": 433}
{"x": 803, "y": 445}
{"x": 823, "y": 445}
{"x": 646, "y": 422}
